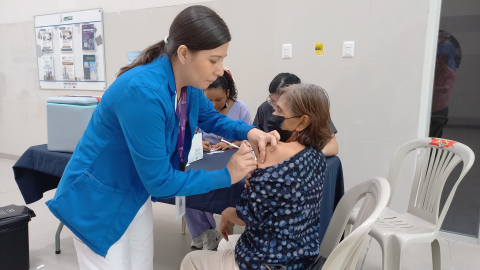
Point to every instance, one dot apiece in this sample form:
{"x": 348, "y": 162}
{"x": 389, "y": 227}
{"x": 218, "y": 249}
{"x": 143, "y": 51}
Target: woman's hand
{"x": 220, "y": 146}
{"x": 229, "y": 217}
{"x": 224, "y": 146}
{"x": 206, "y": 146}
{"x": 259, "y": 141}
{"x": 224, "y": 224}
{"x": 241, "y": 163}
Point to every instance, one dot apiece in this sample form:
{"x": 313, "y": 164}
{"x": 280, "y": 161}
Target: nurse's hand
{"x": 242, "y": 162}
{"x": 259, "y": 141}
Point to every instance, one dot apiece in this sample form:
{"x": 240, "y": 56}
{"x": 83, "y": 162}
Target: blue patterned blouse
{"x": 281, "y": 208}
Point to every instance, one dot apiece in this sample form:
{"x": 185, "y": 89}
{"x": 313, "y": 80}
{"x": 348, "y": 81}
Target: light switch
{"x": 287, "y": 51}
{"x": 348, "y": 49}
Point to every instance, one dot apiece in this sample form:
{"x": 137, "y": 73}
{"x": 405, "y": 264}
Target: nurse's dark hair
{"x": 225, "y": 83}
{"x": 310, "y": 100}
{"x": 197, "y": 27}
{"x": 282, "y": 80}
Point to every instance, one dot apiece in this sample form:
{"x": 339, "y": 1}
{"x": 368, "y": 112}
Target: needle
{"x": 231, "y": 144}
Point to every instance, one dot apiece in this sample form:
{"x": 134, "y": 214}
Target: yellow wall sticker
{"x": 319, "y": 49}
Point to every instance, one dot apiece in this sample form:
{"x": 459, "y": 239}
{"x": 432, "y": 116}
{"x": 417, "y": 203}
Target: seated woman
{"x": 281, "y": 207}
{"x": 266, "y": 121}
{"x": 223, "y": 94}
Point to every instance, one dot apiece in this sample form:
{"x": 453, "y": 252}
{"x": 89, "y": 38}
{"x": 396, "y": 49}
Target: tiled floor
{"x": 171, "y": 246}
{"x": 466, "y": 202}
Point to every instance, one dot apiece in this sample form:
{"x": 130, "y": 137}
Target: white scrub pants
{"x": 134, "y": 251}
{"x": 223, "y": 259}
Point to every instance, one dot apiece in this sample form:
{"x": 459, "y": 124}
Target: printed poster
{"x": 90, "y": 68}
{"x": 48, "y": 68}
{"x": 45, "y": 34}
{"x": 66, "y": 38}
{"x": 132, "y": 56}
{"x": 68, "y": 70}
{"x": 93, "y": 71}
{"x": 88, "y": 37}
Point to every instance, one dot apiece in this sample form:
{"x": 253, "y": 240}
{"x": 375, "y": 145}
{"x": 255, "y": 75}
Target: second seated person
{"x": 223, "y": 94}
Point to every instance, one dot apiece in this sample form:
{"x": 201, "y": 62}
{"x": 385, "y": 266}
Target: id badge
{"x": 180, "y": 207}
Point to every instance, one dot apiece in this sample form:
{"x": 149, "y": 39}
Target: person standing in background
{"x": 444, "y": 80}
{"x": 446, "y": 47}
{"x": 266, "y": 121}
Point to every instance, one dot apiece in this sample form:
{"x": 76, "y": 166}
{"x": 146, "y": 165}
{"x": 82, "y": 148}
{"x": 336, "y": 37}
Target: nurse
{"x": 137, "y": 142}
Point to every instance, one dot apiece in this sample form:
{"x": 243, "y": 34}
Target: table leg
{"x": 57, "y": 238}
{"x": 184, "y": 226}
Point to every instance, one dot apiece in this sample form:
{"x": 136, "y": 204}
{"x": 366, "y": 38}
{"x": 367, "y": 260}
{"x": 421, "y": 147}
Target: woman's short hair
{"x": 310, "y": 100}
{"x": 282, "y": 80}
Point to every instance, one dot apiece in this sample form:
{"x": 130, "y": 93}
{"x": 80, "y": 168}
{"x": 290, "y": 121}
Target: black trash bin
{"x": 14, "y": 250}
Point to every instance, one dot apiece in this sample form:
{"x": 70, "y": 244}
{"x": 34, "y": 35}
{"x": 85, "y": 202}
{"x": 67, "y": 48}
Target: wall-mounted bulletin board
{"x": 71, "y": 50}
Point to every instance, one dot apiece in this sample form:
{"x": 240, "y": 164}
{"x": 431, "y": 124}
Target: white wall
{"x": 375, "y": 96}
{"x": 22, "y": 11}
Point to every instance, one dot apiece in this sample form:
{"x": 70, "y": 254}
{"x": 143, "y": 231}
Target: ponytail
{"x": 197, "y": 27}
{"x": 146, "y": 56}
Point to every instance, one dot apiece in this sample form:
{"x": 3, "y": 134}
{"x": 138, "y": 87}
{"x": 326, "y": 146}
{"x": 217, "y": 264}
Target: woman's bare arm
{"x": 231, "y": 215}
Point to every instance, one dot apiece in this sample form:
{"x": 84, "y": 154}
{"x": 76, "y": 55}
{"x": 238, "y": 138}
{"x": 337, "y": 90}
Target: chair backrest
{"x": 434, "y": 161}
{"x": 376, "y": 192}
{"x": 437, "y": 122}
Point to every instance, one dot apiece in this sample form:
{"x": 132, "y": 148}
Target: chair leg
{"x": 392, "y": 254}
{"x": 436, "y": 255}
{"x": 184, "y": 226}
{"x": 57, "y": 238}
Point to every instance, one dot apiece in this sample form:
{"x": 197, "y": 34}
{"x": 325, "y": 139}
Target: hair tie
{"x": 166, "y": 40}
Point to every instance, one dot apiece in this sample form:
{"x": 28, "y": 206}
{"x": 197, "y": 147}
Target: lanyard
{"x": 181, "y": 111}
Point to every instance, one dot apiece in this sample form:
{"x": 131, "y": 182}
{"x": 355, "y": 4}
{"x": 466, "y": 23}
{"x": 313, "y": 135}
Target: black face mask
{"x": 275, "y": 122}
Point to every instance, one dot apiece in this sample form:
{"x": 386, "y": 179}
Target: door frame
{"x": 428, "y": 73}
{"x": 429, "y": 59}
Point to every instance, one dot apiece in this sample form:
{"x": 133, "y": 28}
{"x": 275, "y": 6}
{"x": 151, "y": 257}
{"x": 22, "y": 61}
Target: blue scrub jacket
{"x": 128, "y": 153}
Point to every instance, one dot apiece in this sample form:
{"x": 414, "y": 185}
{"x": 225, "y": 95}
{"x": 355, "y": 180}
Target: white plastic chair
{"x": 435, "y": 160}
{"x": 344, "y": 255}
